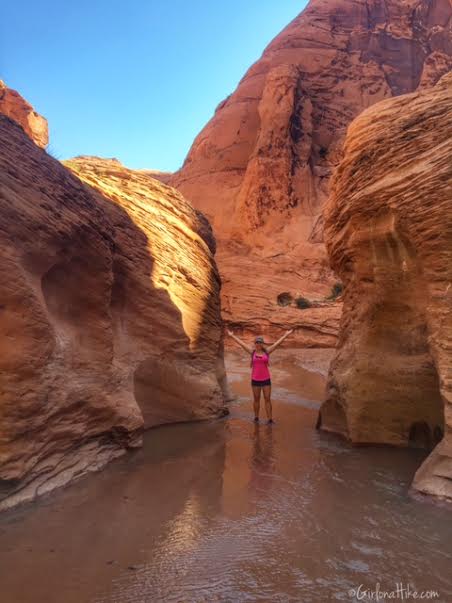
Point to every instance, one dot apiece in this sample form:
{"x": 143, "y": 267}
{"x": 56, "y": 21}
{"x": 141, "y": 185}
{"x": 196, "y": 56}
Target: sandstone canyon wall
{"x": 260, "y": 169}
{"x": 18, "y": 109}
{"x": 389, "y": 234}
{"x": 109, "y": 316}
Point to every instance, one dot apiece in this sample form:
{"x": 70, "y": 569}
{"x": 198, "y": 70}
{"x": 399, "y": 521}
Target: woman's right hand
{"x": 230, "y": 332}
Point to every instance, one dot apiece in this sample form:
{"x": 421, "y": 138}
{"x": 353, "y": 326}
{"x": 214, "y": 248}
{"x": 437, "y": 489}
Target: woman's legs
{"x": 257, "y": 400}
{"x": 268, "y": 402}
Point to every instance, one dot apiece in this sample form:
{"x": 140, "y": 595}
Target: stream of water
{"x": 230, "y": 511}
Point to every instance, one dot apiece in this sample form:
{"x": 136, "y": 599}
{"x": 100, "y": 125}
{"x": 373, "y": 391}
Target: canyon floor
{"x": 230, "y": 511}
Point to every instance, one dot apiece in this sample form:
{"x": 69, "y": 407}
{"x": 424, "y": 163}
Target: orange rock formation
{"x": 389, "y": 235}
{"x": 109, "y": 317}
{"x": 260, "y": 169}
{"x": 17, "y": 108}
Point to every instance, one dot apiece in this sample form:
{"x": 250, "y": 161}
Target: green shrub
{"x": 336, "y": 290}
{"x": 284, "y": 299}
{"x": 302, "y": 303}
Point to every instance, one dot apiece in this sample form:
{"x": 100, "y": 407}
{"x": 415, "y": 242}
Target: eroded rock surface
{"x": 17, "y": 108}
{"x": 389, "y": 236}
{"x": 260, "y": 169}
{"x": 109, "y": 317}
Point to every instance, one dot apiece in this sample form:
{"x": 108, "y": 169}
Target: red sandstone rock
{"x": 389, "y": 235}
{"x": 17, "y": 108}
{"x": 260, "y": 169}
{"x": 109, "y": 317}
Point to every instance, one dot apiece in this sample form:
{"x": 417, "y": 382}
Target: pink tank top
{"x": 259, "y": 365}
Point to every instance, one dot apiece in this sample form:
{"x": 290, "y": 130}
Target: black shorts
{"x": 260, "y": 383}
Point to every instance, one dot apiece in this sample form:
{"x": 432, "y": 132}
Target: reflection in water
{"x": 231, "y": 511}
{"x": 262, "y": 460}
{"x": 183, "y": 530}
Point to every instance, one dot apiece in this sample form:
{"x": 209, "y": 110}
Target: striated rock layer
{"x": 17, "y": 108}
{"x": 109, "y": 316}
{"x": 389, "y": 235}
{"x": 260, "y": 169}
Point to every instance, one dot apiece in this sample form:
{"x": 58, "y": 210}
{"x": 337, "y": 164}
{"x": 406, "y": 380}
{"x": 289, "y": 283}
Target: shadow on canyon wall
{"x": 89, "y": 346}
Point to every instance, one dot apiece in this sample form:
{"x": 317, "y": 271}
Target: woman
{"x": 260, "y": 375}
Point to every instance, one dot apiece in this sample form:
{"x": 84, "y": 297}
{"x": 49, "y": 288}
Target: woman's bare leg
{"x": 268, "y": 401}
{"x": 257, "y": 400}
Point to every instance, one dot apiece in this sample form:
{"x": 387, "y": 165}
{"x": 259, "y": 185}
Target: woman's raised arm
{"x": 241, "y": 343}
{"x": 280, "y": 340}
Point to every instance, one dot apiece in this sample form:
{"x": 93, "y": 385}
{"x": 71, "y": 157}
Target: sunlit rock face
{"x": 109, "y": 315}
{"x": 260, "y": 169}
{"x": 389, "y": 236}
{"x": 17, "y": 108}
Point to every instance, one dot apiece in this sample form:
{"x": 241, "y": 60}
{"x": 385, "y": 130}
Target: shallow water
{"x": 229, "y": 511}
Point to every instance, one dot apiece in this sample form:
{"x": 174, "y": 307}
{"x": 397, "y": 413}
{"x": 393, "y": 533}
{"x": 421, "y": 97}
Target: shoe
{"x": 270, "y": 422}
{"x": 256, "y": 419}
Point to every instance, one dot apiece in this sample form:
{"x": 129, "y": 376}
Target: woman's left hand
{"x": 290, "y": 331}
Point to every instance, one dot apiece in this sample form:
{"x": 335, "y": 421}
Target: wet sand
{"x": 230, "y": 511}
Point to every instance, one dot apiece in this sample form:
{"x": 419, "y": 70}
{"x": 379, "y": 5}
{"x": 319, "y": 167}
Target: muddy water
{"x": 230, "y": 512}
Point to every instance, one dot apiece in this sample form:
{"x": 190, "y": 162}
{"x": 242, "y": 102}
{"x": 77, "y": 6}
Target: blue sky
{"x": 134, "y": 80}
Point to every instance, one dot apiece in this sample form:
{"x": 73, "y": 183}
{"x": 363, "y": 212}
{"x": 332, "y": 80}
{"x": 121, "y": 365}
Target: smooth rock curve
{"x": 109, "y": 318}
{"x": 388, "y": 228}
